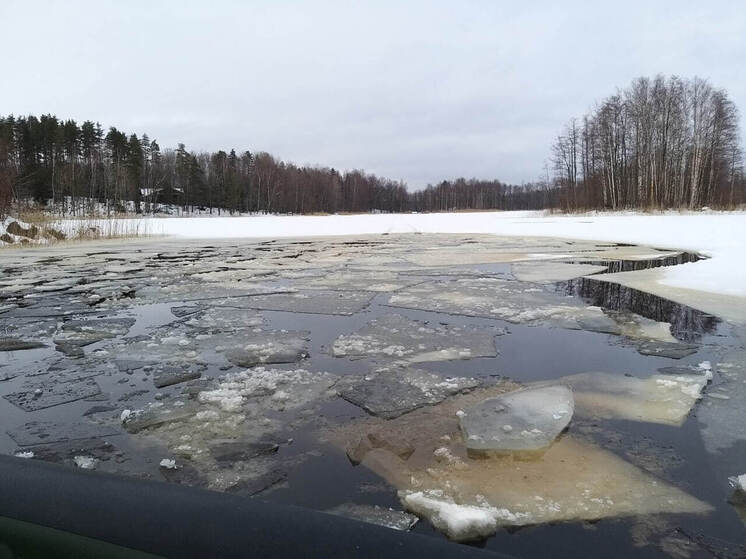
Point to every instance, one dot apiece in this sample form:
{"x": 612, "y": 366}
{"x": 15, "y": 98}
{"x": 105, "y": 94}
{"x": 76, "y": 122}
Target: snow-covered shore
{"x": 722, "y": 236}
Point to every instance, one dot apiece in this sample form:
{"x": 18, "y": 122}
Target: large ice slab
{"x": 665, "y": 399}
{"x": 527, "y": 419}
{"x": 314, "y": 302}
{"x": 516, "y": 302}
{"x": 396, "y": 337}
{"x": 373, "y": 514}
{"x": 721, "y": 413}
{"x": 391, "y": 392}
{"x": 550, "y": 272}
{"x": 469, "y": 497}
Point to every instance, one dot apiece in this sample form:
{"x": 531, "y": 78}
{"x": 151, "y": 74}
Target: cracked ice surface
{"x": 396, "y": 337}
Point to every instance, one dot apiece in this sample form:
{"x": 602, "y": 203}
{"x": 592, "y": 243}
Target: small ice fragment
{"x": 26, "y": 454}
{"x": 168, "y": 464}
{"x": 125, "y": 415}
{"x": 460, "y": 413}
{"x": 85, "y": 462}
{"x": 738, "y": 482}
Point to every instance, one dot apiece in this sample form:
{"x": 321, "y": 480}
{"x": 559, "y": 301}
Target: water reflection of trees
{"x": 687, "y": 324}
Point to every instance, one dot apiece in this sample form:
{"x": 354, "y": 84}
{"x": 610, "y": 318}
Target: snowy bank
{"x": 720, "y": 235}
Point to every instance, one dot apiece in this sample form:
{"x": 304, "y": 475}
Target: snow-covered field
{"x": 722, "y": 236}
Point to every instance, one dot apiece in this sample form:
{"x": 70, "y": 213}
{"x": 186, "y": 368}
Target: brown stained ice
{"x": 470, "y": 496}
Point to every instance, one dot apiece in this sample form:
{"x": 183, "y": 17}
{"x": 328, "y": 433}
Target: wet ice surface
{"x": 341, "y": 374}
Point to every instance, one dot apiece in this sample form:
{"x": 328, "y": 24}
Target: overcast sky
{"x": 419, "y": 91}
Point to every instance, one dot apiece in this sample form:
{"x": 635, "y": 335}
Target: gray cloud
{"x": 419, "y": 91}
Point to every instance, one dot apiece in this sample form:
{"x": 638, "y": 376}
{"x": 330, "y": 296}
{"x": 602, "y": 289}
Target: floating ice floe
{"x": 85, "y": 462}
{"x": 373, "y": 514}
{"x": 280, "y": 388}
{"x": 268, "y": 348}
{"x": 550, "y": 272}
{"x": 398, "y": 338}
{"x": 315, "y": 302}
{"x": 391, "y": 392}
{"x": 513, "y": 301}
{"x": 469, "y": 497}
{"x": 721, "y": 418}
{"x": 40, "y": 395}
{"x": 666, "y": 399}
{"x": 738, "y": 482}
{"x": 168, "y": 463}
{"x": 527, "y": 419}
{"x": 379, "y": 281}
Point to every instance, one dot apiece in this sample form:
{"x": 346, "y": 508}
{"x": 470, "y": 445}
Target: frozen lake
{"x": 336, "y": 373}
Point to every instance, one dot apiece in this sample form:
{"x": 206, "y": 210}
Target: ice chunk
{"x": 391, "y": 392}
{"x": 721, "y": 420}
{"x": 38, "y": 396}
{"x": 396, "y": 337}
{"x": 85, "y": 462}
{"x": 458, "y": 522}
{"x": 738, "y": 482}
{"x": 315, "y": 302}
{"x": 44, "y": 432}
{"x": 268, "y": 348}
{"x": 663, "y": 399}
{"x": 299, "y": 385}
{"x": 513, "y": 301}
{"x": 527, "y": 419}
{"x": 672, "y": 350}
{"x": 168, "y": 463}
{"x": 389, "y": 518}
{"x": 15, "y": 344}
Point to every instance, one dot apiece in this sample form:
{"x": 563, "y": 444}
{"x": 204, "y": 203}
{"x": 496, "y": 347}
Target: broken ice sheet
{"x": 46, "y": 432}
{"x": 38, "y": 396}
{"x": 226, "y": 433}
{"x": 513, "y": 301}
{"x": 527, "y": 419}
{"x": 391, "y": 392}
{"x": 220, "y": 318}
{"x": 396, "y": 337}
{"x": 265, "y": 348}
{"x": 373, "y": 514}
{"x": 722, "y": 419}
{"x": 85, "y": 332}
{"x": 470, "y": 497}
{"x": 550, "y": 272}
{"x": 665, "y": 399}
{"x": 316, "y": 302}
{"x": 349, "y": 280}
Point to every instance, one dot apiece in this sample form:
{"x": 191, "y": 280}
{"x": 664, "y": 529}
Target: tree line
{"x": 660, "y": 143}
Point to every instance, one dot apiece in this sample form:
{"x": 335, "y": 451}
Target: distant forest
{"x": 661, "y": 143}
